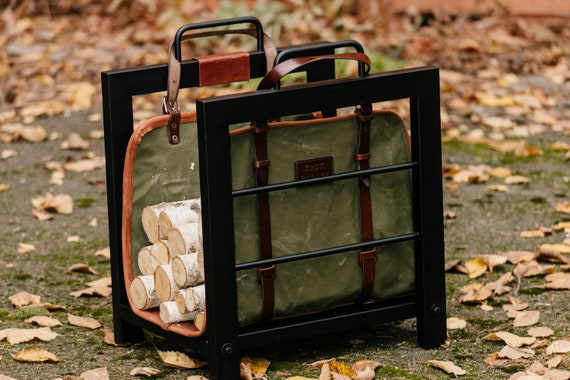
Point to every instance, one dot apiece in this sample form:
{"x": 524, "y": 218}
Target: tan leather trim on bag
{"x": 223, "y": 68}
{"x": 185, "y": 329}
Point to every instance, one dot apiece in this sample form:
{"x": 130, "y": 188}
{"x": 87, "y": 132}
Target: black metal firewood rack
{"x": 224, "y": 339}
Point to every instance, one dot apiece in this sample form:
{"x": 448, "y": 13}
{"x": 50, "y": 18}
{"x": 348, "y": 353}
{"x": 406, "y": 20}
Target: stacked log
{"x": 172, "y": 265}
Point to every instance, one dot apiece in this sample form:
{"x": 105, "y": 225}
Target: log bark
{"x": 184, "y": 239}
{"x": 178, "y": 214}
{"x": 150, "y": 257}
{"x": 169, "y": 313}
{"x": 188, "y": 270}
{"x": 164, "y": 283}
{"x": 143, "y": 293}
{"x": 196, "y": 298}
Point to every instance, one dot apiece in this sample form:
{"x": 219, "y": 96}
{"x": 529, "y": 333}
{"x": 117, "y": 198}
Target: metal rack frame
{"x": 224, "y": 339}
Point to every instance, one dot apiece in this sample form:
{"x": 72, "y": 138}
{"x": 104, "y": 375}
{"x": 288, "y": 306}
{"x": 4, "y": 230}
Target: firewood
{"x": 143, "y": 293}
{"x": 184, "y": 239}
{"x": 169, "y": 313}
{"x": 200, "y": 321}
{"x": 188, "y": 270}
{"x": 191, "y": 299}
{"x": 164, "y": 283}
{"x": 150, "y": 257}
{"x": 149, "y": 219}
{"x": 177, "y": 214}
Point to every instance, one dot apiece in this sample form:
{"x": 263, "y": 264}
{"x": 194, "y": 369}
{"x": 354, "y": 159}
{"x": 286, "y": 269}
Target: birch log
{"x": 152, "y": 256}
{"x": 188, "y": 270}
{"x": 149, "y": 219}
{"x": 184, "y": 239}
{"x": 178, "y": 213}
{"x": 143, "y": 293}
{"x": 169, "y": 313}
{"x": 200, "y": 321}
{"x": 191, "y": 299}
{"x": 164, "y": 283}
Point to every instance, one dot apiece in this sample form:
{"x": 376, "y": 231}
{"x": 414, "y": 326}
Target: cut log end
{"x": 169, "y": 313}
{"x": 164, "y": 283}
{"x": 143, "y": 294}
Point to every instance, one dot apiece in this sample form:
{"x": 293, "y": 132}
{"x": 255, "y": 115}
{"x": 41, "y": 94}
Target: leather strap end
{"x": 174, "y": 126}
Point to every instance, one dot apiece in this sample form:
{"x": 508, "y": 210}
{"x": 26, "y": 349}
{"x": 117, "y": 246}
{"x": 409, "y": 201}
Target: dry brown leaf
{"x": 561, "y": 226}
{"x": 80, "y": 267}
{"x": 551, "y": 255}
{"x": 101, "y": 291}
{"x": 8, "y": 153}
{"x": 451, "y": 265}
{"x": 554, "y": 362}
{"x": 448, "y": 367}
{"x": 42, "y": 216}
{"x": 560, "y": 284}
{"x": 454, "y": 323}
{"x": 532, "y": 268}
{"x": 24, "y": 298}
{"x": 497, "y": 188}
{"x": 558, "y": 347}
{"x": 560, "y": 248}
{"x": 499, "y": 172}
{"x": 179, "y": 360}
{"x": 16, "y": 336}
{"x": 256, "y": 366}
{"x": 540, "y": 332}
{"x": 514, "y": 257}
{"x": 515, "y": 353}
{"x": 85, "y": 164}
{"x": 44, "y": 321}
{"x": 476, "y": 267}
{"x": 34, "y": 355}
{"x": 95, "y": 374}
{"x": 517, "y": 180}
{"x": 533, "y": 234}
{"x": 495, "y": 361}
{"x": 500, "y": 286}
{"x": 526, "y": 318}
{"x": 475, "y": 293}
{"x": 563, "y": 207}
{"x": 511, "y": 339}
{"x": 25, "y": 248}
{"x": 105, "y": 253}
{"x": 61, "y": 203}
{"x": 200, "y": 377}
{"x": 104, "y": 281}
{"x": 144, "y": 371}
{"x": 493, "y": 260}
{"x": 74, "y": 142}
{"x": 86, "y": 322}
{"x": 365, "y": 369}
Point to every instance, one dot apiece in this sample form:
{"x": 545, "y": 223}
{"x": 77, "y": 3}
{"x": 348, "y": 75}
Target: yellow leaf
{"x": 476, "y": 267}
{"x": 33, "y": 355}
{"x": 341, "y": 368}
{"x": 179, "y": 360}
{"x": 448, "y": 367}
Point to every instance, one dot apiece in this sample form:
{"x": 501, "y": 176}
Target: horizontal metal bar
{"x": 330, "y": 178}
{"x": 328, "y": 251}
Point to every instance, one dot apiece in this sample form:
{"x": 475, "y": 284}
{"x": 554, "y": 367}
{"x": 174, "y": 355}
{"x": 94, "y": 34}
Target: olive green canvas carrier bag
{"x": 291, "y": 221}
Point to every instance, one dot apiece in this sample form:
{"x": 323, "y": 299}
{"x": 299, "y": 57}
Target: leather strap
{"x": 278, "y": 72}
{"x": 261, "y": 164}
{"x": 367, "y": 258}
{"x": 173, "y": 84}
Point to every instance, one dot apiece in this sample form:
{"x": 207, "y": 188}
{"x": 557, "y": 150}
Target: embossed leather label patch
{"x": 314, "y": 168}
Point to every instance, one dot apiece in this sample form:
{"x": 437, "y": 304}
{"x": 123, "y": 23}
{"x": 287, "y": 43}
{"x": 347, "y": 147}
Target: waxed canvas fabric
{"x": 302, "y": 219}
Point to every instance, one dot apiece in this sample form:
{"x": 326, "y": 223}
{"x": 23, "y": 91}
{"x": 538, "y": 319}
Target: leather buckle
{"x": 267, "y": 273}
{"x": 367, "y": 256}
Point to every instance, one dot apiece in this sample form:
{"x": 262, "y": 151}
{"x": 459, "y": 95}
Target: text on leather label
{"x": 314, "y": 168}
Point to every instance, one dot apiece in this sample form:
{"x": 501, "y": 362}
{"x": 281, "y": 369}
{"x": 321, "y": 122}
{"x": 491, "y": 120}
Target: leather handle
{"x": 273, "y": 77}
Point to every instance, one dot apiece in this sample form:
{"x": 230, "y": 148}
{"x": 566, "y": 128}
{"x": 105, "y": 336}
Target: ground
{"x": 504, "y": 90}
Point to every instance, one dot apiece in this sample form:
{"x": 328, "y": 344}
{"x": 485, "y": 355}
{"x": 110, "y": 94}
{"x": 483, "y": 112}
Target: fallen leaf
{"x": 80, "y": 267}
{"x": 179, "y": 360}
{"x": 16, "y": 336}
{"x": 104, "y": 281}
{"x": 563, "y": 207}
{"x": 560, "y": 248}
{"x": 101, "y": 291}
{"x": 24, "y": 298}
{"x": 558, "y": 347}
{"x": 62, "y": 203}
{"x": 526, "y": 318}
{"x": 144, "y": 371}
{"x": 511, "y": 339}
{"x": 554, "y": 362}
{"x": 85, "y": 164}
{"x": 517, "y": 180}
{"x": 540, "y": 332}
{"x": 532, "y": 268}
{"x": 105, "y": 253}
{"x": 86, "y": 322}
{"x": 8, "y": 153}
{"x": 25, "y": 248}
{"x": 365, "y": 369}
{"x": 95, "y": 374}
{"x": 197, "y": 377}
{"x": 44, "y": 321}
{"x": 495, "y": 361}
{"x": 73, "y": 238}
{"x": 448, "y": 367}
{"x": 74, "y": 142}
{"x": 493, "y": 260}
{"x": 515, "y": 353}
{"x": 34, "y": 355}
{"x": 256, "y": 366}
{"x": 500, "y": 286}
{"x": 475, "y": 293}
{"x": 476, "y": 267}
{"x": 514, "y": 257}
{"x": 454, "y": 323}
